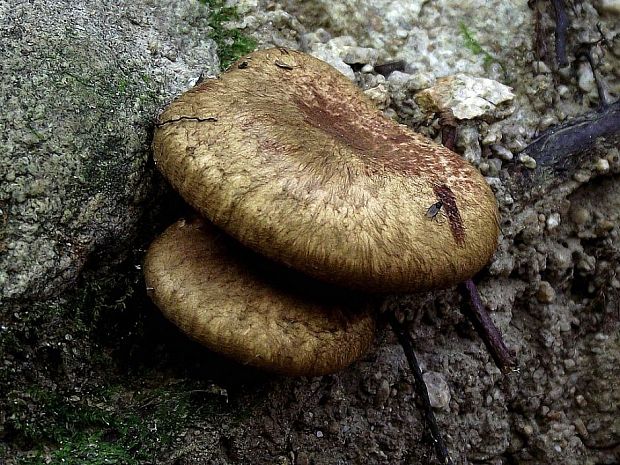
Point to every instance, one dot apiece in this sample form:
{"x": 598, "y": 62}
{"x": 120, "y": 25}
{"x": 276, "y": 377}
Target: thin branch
{"x": 208, "y": 119}
{"x": 389, "y": 67}
{"x": 422, "y": 393}
{"x": 476, "y": 312}
{"x": 603, "y": 95}
{"x": 490, "y": 334}
{"x": 561, "y": 26}
{"x": 448, "y": 128}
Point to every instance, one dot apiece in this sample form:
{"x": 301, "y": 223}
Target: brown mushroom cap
{"x": 240, "y": 305}
{"x": 288, "y": 156}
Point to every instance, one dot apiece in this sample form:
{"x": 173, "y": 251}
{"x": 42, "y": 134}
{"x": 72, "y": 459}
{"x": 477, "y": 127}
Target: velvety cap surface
{"x": 243, "y": 306}
{"x": 289, "y": 157}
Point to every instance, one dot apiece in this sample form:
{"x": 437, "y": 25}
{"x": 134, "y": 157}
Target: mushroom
{"x": 288, "y": 156}
{"x": 239, "y": 304}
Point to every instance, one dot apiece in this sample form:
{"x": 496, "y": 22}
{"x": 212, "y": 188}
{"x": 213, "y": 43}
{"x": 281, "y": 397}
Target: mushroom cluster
{"x": 289, "y": 158}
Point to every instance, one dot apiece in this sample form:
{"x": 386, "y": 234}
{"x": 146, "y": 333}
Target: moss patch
{"x": 112, "y": 426}
{"x": 231, "y": 43}
{"x": 472, "y": 44}
{"x": 83, "y": 381}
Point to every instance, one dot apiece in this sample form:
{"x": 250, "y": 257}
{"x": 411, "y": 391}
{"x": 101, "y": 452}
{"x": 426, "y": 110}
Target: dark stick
{"x": 600, "y": 86}
{"x": 476, "y": 313}
{"x": 389, "y": 67}
{"x": 405, "y": 341}
{"x": 448, "y": 128}
{"x": 562, "y": 150}
{"x": 208, "y": 119}
{"x": 561, "y": 26}
{"x": 490, "y": 334}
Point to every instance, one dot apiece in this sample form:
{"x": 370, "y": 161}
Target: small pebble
{"x": 527, "y": 161}
{"x": 581, "y": 427}
{"x": 569, "y": 363}
{"x": 541, "y": 67}
{"x": 438, "y": 389}
{"x": 383, "y": 393}
{"x": 586, "y": 78}
{"x": 495, "y": 166}
{"x": 553, "y": 221}
{"x": 582, "y": 176}
{"x": 580, "y": 216}
{"x": 563, "y": 91}
{"x": 605, "y": 225}
{"x": 502, "y": 152}
{"x": 547, "y": 121}
{"x": 379, "y": 95}
{"x": 602, "y": 165}
{"x": 546, "y": 293}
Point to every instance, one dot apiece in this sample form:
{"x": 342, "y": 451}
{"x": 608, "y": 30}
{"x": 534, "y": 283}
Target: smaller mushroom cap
{"x": 252, "y": 310}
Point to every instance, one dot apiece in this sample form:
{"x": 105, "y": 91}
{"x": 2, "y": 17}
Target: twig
{"x": 209, "y": 119}
{"x": 422, "y": 393}
{"x": 563, "y": 150}
{"x": 540, "y": 42}
{"x": 603, "y": 95}
{"x": 389, "y": 67}
{"x": 490, "y": 334}
{"x": 476, "y": 312}
{"x": 561, "y": 26}
{"x": 448, "y": 128}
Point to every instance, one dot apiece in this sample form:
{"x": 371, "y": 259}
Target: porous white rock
{"x": 468, "y": 97}
{"x": 438, "y": 389}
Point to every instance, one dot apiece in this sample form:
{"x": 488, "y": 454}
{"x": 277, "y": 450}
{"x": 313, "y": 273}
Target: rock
{"x": 610, "y": 6}
{"x": 527, "y": 161}
{"x": 541, "y": 67}
{"x": 438, "y": 389}
{"x": 468, "y": 141}
{"x": 602, "y": 165}
{"x": 502, "y": 152}
{"x": 409, "y": 82}
{"x": 379, "y": 95}
{"x": 580, "y": 215}
{"x": 332, "y": 51}
{"x": 468, "y": 97}
{"x": 79, "y": 96}
{"x": 546, "y": 293}
{"x": 553, "y": 221}
{"x": 359, "y": 55}
{"x": 585, "y": 78}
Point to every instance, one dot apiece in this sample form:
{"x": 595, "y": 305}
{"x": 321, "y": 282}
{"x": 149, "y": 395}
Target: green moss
{"x": 231, "y": 43}
{"x": 472, "y": 44}
{"x": 75, "y": 391}
{"x": 102, "y": 430}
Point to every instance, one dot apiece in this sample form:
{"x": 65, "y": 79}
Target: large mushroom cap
{"x": 288, "y": 156}
{"x": 240, "y": 305}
